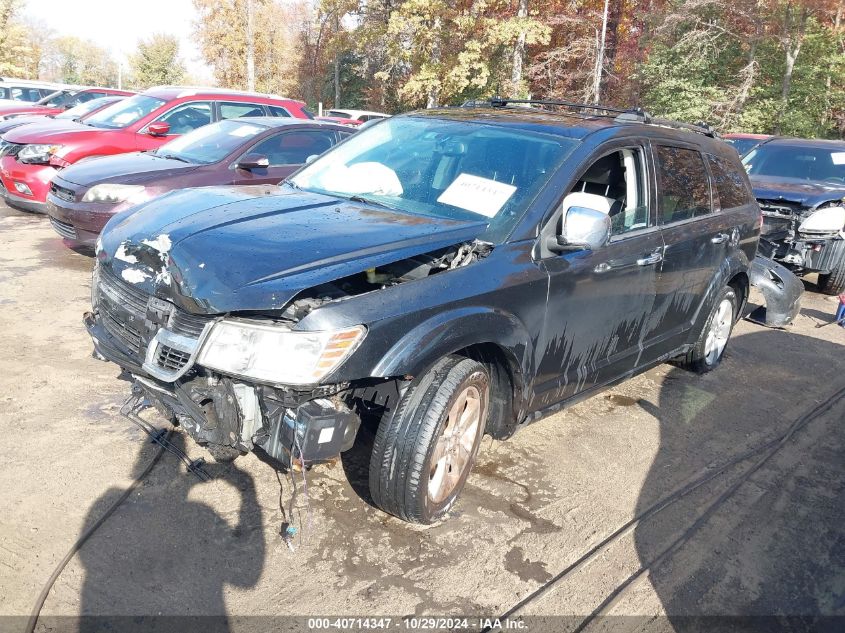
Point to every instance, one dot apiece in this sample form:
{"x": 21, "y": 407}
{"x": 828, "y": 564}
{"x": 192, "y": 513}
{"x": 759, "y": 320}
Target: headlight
{"x": 37, "y": 153}
{"x": 824, "y": 222}
{"x": 276, "y": 354}
{"x": 113, "y": 193}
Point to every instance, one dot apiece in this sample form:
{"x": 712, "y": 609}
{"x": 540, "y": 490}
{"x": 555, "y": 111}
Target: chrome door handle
{"x": 655, "y": 258}
{"x": 720, "y": 238}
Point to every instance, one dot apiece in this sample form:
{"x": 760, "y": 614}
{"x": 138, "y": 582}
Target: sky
{"x": 117, "y": 25}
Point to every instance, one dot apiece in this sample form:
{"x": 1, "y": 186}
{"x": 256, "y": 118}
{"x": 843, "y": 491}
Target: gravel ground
{"x": 763, "y": 537}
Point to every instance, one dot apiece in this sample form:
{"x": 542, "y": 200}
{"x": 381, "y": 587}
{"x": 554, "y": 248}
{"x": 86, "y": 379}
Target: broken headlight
{"x": 275, "y": 354}
{"x": 37, "y": 153}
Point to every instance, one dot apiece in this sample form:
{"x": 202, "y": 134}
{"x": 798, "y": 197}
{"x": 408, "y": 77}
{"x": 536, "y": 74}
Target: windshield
{"x": 124, "y": 113}
{"x": 210, "y": 143}
{"x": 820, "y": 164}
{"x": 82, "y": 109}
{"x": 442, "y": 168}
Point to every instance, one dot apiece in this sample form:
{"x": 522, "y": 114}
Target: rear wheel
{"x": 708, "y": 350}
{"x": 424, "y": 451}
{"x": 833, "y": 283}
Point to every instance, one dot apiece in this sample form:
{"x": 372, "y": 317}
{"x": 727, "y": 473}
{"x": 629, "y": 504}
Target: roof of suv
{"x": 176, "y": 92}
{"x": 567, "y": 123}
{"x": 276, "y": 121}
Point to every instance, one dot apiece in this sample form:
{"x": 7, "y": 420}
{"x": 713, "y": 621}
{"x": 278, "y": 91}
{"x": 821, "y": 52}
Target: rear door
{"x": 697, "y": 239}
{"x": 287, "y": 151}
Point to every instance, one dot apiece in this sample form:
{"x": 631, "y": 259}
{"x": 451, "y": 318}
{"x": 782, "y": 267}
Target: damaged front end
{"x": 253, "y": 380}
{"x": 803, "y": 238}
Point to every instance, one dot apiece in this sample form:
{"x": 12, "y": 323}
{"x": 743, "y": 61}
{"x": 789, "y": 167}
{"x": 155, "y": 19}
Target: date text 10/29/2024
{"x": 417, "y": 624}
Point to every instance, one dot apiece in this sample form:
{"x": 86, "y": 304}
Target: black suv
{"x": 440, "y": 275}
{"x": 800, "y": 185}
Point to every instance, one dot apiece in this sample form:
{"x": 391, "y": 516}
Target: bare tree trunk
{"x": 434, "y": 88}
{"x": 599, "y": 68}
{"x": 518, "y": 52}
{"x": 792, "y": 41}
{"x": 250, "y": 46}
{"x": 336, "y": 61}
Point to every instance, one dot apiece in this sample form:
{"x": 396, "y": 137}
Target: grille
{"x": 62, "y": 193}
{"x": 10, "y": 149}
{"x": 126, "y": 316}
{"x": 170, "y": 358}
{"x": 63, "y": 228}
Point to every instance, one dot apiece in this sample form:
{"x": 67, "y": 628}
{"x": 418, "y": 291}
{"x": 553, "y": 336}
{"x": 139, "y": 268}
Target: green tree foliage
{"x": 157, "y": 63}
{"x": 76, "y": 61}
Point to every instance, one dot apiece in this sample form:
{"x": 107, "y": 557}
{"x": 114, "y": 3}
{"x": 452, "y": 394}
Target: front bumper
{"x": 305, "y": 426}
{"x": 35, "y": 179}
{"x": 781, "y": 292}
{"x": 79, "y": 222}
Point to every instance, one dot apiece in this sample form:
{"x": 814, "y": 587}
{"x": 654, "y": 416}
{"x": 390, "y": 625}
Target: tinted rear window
{"x": 730, "y": 185}
{"x": 684, "y": 187}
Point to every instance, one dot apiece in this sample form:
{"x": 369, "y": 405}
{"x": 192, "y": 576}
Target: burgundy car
{"x": 241, "y": 151}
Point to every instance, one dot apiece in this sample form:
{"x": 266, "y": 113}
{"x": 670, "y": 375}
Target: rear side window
{"x": 730, "y": 185}
{"x": 294, "y": 148}
{"x": 684, "y": 187}
{"x": 277, "y": 111}
{"x": 229, "y": 110}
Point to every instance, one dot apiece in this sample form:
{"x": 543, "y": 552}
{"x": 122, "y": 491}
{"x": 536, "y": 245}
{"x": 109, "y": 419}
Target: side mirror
{"x": 253, "y": 161}
{"x": 583, "y": 229}
{"x": 159, "y": 128}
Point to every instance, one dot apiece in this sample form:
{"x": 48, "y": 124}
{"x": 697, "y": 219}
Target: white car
{"x": 362, "y": 116}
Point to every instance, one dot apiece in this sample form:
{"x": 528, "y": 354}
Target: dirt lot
{"x": 775, "y": 544}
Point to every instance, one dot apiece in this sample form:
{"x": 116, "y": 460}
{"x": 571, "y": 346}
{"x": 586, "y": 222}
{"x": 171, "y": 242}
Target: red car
{"x": 76, "y": 113}
{"x": 30, "y": 158}
{"x": 58, "y": 101}
{"x": 252, "y": 151}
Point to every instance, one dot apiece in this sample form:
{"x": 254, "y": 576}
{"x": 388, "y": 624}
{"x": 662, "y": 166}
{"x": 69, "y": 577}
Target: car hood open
{"x": 137, "y": 167}
{"x": 807, "y": 194}
{"x": 229, "y": 249}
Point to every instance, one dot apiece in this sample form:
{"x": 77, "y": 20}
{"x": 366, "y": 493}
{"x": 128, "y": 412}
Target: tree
{"x": 20, "y": 49}
{"x": 157, "y": 63}
{"x": 76, "y": 61}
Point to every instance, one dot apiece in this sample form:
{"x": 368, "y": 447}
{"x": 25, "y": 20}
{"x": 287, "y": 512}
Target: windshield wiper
{"x": 174, "y": 157}
{"x": 291, "y": 184}
{"x": 370, "y": 201}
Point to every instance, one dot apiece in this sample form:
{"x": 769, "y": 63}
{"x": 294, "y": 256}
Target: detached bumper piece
{"x": 781, "y": 291}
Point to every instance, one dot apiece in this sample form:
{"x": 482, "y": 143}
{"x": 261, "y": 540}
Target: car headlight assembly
{"x": 826, "y": 222}
{"x": 113, "y": 193}
{"x": 274, "y": 354}
{"x": 37, "y": 153}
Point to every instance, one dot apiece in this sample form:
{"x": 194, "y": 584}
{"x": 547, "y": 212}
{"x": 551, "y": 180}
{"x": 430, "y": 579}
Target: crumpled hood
{"x": 227, "y": 249}
{"x": 807, "y": 194}
{"x": 137, "y": 167}
{"x": 58, "y": 131}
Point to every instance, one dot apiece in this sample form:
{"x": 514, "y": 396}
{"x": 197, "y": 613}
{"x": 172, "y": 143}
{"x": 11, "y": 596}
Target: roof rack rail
{"x": 620, "y": 114}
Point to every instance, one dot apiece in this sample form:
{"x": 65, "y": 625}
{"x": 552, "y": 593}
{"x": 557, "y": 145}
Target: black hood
{"x": 805, "y": 193}
{"x": 135, "y": 168}
{"x": 227, "y": 249}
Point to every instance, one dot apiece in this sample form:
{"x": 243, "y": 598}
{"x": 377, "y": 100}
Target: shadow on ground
{"x": 776, "y": 546}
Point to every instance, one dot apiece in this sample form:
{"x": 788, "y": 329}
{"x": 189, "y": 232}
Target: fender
{"x": 453, "y": 330}
{"x": 732, "y": 265}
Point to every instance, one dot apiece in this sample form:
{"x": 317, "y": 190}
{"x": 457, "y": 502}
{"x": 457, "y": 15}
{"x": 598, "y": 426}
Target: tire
{"x": 833, "y": 283}
{"x": 708, "y": 350}
{"x": 417, "y": 468}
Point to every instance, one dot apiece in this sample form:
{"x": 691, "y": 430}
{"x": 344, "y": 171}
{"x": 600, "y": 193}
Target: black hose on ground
{"x": 45, "y": 591}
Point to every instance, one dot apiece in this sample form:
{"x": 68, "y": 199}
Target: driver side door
{"x": 598, "y": 323}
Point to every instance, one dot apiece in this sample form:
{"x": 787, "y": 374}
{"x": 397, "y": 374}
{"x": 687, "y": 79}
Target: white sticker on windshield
{"x": 244, "y": 130}
{"x": 476, "y": 194}
{"x": 838, "y": 158}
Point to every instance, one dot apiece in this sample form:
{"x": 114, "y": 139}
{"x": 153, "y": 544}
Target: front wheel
{"x": 711, "y": 344}
{"x": 424, "y": 451}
